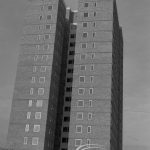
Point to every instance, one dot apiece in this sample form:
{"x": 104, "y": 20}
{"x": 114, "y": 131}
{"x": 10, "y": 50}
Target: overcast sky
{"x": 134, "y": 16}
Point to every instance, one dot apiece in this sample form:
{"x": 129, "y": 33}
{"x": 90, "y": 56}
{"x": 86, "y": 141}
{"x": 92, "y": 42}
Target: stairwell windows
{"x": 84, "y": 35}
{"x": 79, "y": 129}
{"x": 78, "y": 142}
{"x": 81, "y": 91}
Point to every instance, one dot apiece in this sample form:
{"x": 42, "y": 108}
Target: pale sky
{"x": 134, "y": 17}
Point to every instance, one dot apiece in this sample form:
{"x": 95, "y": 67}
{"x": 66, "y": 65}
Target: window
{"x": 28, "y": 115}
{"x": 25, "y": 140}
{"x": 91, "y": 79}
{"x": 86, "y": 15}
{"x": 68, "y": 99}
{"x": 78, "y": 142}
{"x": 40, "y": 91}
{"x": 82, "y": 79}
{"x": 83, "y": 56}
{"x": 39, "y": 103}
{"x": 82, "y": 67}
{"x": 89, "y": 129}
{"x": 40, "y": 17}
{"x": 80, "y": 103}
{"x": 69, "y": 79}
{"x": 79, "y": 129}
{"x": 38, "y": 115}
{"x": 94, "y": 24}
{"x": 71, "y": 62}
{"x": 46, "y": 47}
{"x": 85, "y": 34}
{"x": 27, "y": 128}
{"x": 71, "y": 52}
{"x": 47, "y": 36}
{"x": 66, "y": 119}
{"x": 90, "y": 103}
{"x": 95, "y": 4}
{"x": 31, "y": 91}
{"x": 49, "y": 17}
{"x": 38, "y": 47}
{"x": 72, "y": 36}
{"x": 83, "y": 45}
{"x": 36, "y": 57}
{"x": 86, "y": 4}
{"x": 84, "y": 24}
{"x": 89, "y": 116}
{"x": 81, "y": 91}
{"x": 35, "y": 140}
{"x": 94, "y": 14}
{"x": 67, "y": 109}
{"x": 43, "y": 69}
{"x": 30, "y": 103}
{"x": 72, "y": 44}
{"x": 65, "y": 129}
{"x": 92, "y": 67}
{"x": 42, "y": 80}
{"x": 93, "y": 45}
{"x": 88, "y": 141}
{"x": 69, "y": 89}
{"x": 91, "y": 91}
{"x": 64, "y": 140}
{"x": 94, "y": 33}
{"x": 50, "y": 7}
{"x": 79, "y": 116}
{"x": 48, "y": 26}
{"x": 33, "y": 80}
{"x": 36, "y": 128}
{"x": 92, "y": 55}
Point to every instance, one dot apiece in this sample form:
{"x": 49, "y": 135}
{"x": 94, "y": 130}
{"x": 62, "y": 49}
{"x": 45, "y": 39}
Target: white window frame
{"x": 28, "y": 115}
{"x": 42, "y": 80}
{"x": 79, "y": 113}
{"x": 37, "y": 115}
{"x": 39, "y": 103}
{"x": 35, "y": 140}
{"x": 83, "y": 79}
{"x": 89, "y": 127}
{"x": 40, "y": 91}
{"x": 91, "y": 116}
{"x": 34, "y": 68}
{"x": 83, "y": 55}
{"x": 36, "y": 128}
{"x": 33, "y": 80}
{"x": 78, "y": 103}
{"x": 86, "y": 34}
{"x": 90, "y": 103}
{"x": 25, "y": 140}
{"x": 91, "y": 89}
{"x": 78, "y": 140}
{"x": 83, "y": 44}
{"x": 27, "y": 128}
{"x": 43, "y": 69}
{"x": 92, "y": 67}
{"x": 79, "y": 127}
{"x": 31, "y": 91}
{"x": 30, "y": 103}
{"x": 88, "y": 141}
{"x": 83, "y": 91}
{"x": 91, "y": 79}
{"x": 82, "y": 66}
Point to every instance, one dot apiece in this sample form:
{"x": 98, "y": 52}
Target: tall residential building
{"x": 69, "y": 83}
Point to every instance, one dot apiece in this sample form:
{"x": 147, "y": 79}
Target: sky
{"x": 134, "y": 17}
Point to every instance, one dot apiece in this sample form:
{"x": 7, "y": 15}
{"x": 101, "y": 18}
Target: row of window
{"x": 79, "y": 129}
{"x": 40, "y": 80}
{"x": 42, "y": 68}
{"x": 85, "y": 24}
{"x": 41, "y": 57}
{"x": 35, "y": 140}
{"x": 36, "y": 128}
{"x": 86, "y": 14}
{"x": 49, "y": 7}
{"x": 79, "y": 116}
{"x": 87, "y": 4}
{"x": 39, "y": 103}
{"x": 37, "y": 115}
{"x": 48, "y": 17}
{"x": 81, "y": 91}
{"x": 83, "y": 45}
{"x": 40, "y": 91}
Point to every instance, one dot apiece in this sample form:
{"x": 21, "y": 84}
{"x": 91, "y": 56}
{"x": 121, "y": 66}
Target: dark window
{"x": 66, "y": 119}
{"x": 86, "y": 14}
{"x": 64, "y": 140}
{"x": 94, "y": 14}
{"x": 50, "y": 7}
{"x": 49, "y": 17}
{"x": 72, "y": 36}
{"x": 85, "y": 35}
{"x": 72, "y": 44}
{"x": 65, "y": 129}
{"x": 69, "y": 79}
{"x": 68, "y": 89}
{"x": 71, "y": 53}
{"x": 85, "y": 24}
{"x": 67, "y": 109}
{"x": 68, "y": 99}
{"x": 86, "y": 4}
{"x": 40, "y": 17}
{"x": 70, "y": 70}
{"x": 71, "y": 62}
{"x": 48, "y": 26}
